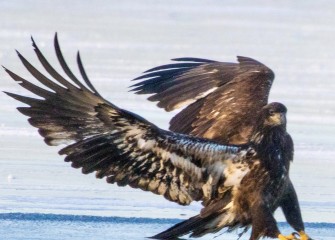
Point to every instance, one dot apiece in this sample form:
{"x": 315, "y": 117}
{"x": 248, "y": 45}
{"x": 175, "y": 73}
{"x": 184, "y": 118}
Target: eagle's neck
{"x": 269, "y": 144}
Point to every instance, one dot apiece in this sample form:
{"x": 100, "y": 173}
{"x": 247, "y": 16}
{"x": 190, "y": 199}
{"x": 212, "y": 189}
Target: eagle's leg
{"x": 263, "y": 222}
{"x": 291, "y": 210}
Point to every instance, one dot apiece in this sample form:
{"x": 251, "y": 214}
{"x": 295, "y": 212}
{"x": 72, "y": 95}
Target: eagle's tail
{"x": 182, "y": 228}
{"x": 214, "y": 217}
{"x": 198, "y": 226}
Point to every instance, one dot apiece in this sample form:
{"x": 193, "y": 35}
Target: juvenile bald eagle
{"x": 223, "y": 103}
{"x": 240, "y": 185}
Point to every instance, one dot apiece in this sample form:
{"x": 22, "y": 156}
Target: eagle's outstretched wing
{"x": 222, "y": 98}
{"x": 119, "y": 145}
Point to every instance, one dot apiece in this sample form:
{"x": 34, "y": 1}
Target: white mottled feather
{"x": 191, "y": 100}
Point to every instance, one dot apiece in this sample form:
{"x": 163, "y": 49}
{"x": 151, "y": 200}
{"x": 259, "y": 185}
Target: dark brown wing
{"x": 119, "y": 145}
{"x": 222, "y": 98}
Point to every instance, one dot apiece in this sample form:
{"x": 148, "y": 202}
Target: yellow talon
{"x": 289, "y": 237}
{"x": 304, "y": 236}
{"x": 293, "y": 236}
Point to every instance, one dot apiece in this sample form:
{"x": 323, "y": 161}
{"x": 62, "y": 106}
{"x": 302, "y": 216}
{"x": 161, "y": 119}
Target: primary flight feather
{"x": 221, "y": 99}
{"x": 240, "y": 185}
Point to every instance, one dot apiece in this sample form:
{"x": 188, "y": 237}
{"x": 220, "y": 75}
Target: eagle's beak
{"x": 278, "y": 119}
{"x": 282, "y": 118}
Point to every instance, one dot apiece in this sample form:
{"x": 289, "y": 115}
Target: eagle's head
{"x": 274, "y": 115}
{"x": 271, "y": 124}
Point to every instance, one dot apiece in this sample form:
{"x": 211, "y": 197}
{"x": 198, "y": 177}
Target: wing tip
{"x": 56, "y": 42}
{"x": 21, "y": 57}
{"x": 248, "y": 60}
{"x": 192, "y": 59}
{"x": 33, "y": 41}
{"x": 7, "y": 93}
{"x": 18, "y": 53}
{"x": 12, "y": 95}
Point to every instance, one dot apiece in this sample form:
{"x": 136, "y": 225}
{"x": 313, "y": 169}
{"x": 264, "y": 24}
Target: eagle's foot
{"x": 295, "y": 236}
{"x": 304, "y": 236}
{"x": 292, "y": 236}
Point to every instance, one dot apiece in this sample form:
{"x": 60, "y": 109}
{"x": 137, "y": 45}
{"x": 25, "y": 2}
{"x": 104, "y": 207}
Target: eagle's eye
{"x": 271, "y": 112}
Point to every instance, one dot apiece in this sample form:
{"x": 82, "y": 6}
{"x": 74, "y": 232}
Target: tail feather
{"x": 195, "y": 225}
{"x": 180, "y": 229}
{"x": 212, "y": 219}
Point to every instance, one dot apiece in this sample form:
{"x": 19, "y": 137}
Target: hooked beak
{"x": 277, "y": 119}
{"x": 283, "y": 118}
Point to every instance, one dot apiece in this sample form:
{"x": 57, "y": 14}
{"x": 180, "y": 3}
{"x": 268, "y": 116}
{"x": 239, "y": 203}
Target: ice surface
{"x": 120, "y": 39}
{"x": 69, "y": 227}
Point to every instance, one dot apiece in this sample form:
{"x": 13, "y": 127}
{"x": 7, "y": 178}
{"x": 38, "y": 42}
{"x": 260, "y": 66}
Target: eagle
{"x": 240, "y": 184}
{"x": 222, "y": 102}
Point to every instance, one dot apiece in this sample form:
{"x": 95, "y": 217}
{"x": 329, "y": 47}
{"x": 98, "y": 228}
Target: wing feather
{"x": 64, "y": 65}
{"x": 40, "y": 77}
{"x": 84, "y": 75}
{"x": 222, "y": 98}
{"x": 119, "y": 145}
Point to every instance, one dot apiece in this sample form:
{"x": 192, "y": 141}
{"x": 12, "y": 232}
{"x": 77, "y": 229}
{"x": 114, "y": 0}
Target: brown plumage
{"x": 239, "y": 185}
{"x": 253, "y": 200}
{"x": 226, "y": 96}
{"x": 222, "y": 102}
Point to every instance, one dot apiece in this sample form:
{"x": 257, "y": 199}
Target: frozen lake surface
{"x": 41, "y": 197}
{"x": 70, "y": 227}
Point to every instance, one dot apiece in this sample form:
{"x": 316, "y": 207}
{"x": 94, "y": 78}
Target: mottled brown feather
{"x": 225, "y": 115}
